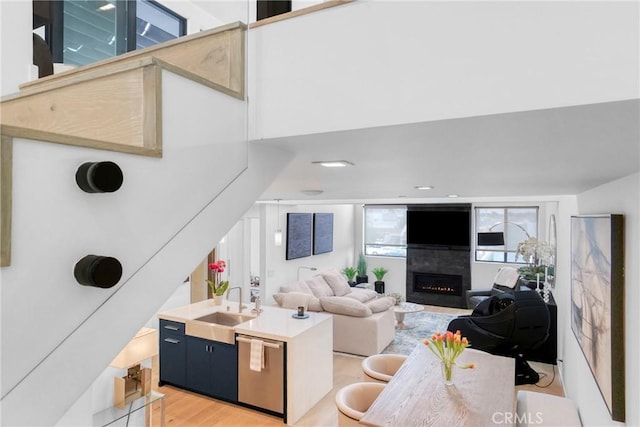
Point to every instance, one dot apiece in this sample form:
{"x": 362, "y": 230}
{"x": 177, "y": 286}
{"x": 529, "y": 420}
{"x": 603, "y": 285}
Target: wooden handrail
{"x": 295, "y": 13}
{"x": 115, "y": 104}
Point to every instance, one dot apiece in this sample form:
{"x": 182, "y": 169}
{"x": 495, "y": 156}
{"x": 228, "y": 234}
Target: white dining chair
{"x": 382, "y": 367}
{"x": 354, "y": 400}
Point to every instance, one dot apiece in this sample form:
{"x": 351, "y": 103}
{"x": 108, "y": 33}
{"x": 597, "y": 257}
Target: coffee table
{"x": 403, "y": 308}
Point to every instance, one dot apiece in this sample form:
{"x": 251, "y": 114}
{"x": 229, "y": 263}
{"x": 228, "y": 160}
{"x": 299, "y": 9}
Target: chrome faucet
{"x": 240, "y": 306}
{"x": 257, "y": 308}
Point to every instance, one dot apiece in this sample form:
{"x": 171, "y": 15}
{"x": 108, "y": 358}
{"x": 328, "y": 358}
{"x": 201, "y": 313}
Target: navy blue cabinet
{"x": 173, "y": 353}
{"x": 212, "y": 368}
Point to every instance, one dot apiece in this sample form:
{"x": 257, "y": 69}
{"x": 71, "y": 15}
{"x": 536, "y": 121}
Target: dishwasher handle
{"x": 264, "y": 343}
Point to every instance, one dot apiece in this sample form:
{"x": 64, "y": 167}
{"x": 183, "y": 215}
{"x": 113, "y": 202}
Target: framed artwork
{"x": 298, "y": 235}
{"x": 322, "y": 233}
{"x": 597, "y": 302}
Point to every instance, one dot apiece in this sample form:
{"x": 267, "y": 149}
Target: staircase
{"x": 179, "y": 134}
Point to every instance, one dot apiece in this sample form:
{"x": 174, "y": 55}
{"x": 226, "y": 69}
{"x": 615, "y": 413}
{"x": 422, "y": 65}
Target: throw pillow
{"x": 346, "y": 306}
{"x": 337, "y": 282}
{"x": 319, "y": 287}
{"x": 300, "y": 286}
{"x": 362, "y": 295}
{"x": 311, "y": 302}
{"x": 381, "y": 304}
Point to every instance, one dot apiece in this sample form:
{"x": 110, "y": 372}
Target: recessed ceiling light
{"x": 312, "y": 192}
{"x": 107, "y": 6}
{"x": 452, "y": 196}
{"x": 333, "y": 163}
{"x": 424, "y": 187}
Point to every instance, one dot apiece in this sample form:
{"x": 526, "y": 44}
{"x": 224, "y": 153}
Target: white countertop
{"x": 272, "y": 323}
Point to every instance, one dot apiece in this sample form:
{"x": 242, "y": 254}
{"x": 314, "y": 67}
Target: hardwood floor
{"x": 191, "y": 409}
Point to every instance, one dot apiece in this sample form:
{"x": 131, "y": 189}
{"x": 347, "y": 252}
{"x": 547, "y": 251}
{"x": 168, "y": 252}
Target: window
{"x": 517, "y": 224}
{"x": 83, "y": 32}
{"x": 385, "y": 230}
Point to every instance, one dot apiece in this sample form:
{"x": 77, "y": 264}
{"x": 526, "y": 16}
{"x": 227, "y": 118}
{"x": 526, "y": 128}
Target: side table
{"x": 113, "y": 414}
{"x": 403, "y": 308}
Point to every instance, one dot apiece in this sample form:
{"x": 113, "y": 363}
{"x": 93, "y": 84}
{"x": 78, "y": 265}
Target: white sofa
{"x": 363, "y": 322}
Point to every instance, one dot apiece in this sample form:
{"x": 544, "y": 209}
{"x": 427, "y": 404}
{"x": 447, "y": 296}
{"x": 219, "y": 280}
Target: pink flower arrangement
{"x": 447, "y": 347}
{"x": 218, "y": 287}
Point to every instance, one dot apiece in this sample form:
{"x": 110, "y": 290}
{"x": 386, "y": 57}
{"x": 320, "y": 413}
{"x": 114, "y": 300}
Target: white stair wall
{"x": 375, "y": 63}
{"x": 57, "y": 335}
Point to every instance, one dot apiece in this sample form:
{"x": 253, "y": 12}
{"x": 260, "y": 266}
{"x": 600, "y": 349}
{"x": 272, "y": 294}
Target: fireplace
{"x": 439, "y": 274}
{"x": 444, "y": 284}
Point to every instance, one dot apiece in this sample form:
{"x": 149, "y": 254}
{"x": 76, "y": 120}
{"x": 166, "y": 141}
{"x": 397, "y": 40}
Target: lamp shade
{"x": 491, "y": 239}
{"x": 143, "y": 346}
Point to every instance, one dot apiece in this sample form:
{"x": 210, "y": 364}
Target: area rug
{"x": 426, "y": 323}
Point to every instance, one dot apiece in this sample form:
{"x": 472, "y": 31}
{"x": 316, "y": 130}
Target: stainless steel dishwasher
{"x": 264, "y": 389}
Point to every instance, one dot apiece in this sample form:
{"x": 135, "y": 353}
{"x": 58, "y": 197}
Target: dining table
{"x": 418, "y": 396}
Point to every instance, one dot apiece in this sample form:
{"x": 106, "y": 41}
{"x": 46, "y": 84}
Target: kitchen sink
{"x": 217, "y": 326}
{"x": 225, "y": 319}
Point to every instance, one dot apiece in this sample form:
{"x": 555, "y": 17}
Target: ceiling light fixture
{"x": 107, "y": 6}
{"x": 333, "y": 163}
{"x": 146, "y": 29}
{"x": 452, "y": 196}
{"x": 424, "y": 187}
{"x": 312, "y": 192}
{"x": 277, "y": 236}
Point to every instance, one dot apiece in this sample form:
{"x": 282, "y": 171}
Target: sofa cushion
{"x": 381, "y": 304}
{"x": 362, "y": 295}
{"x": 295, "y": 299}
{"x": 300, "y": 286}
{"x": 337, "y": 282}
{"x": 346, "y": 306}
{"x": 319, "y": 287}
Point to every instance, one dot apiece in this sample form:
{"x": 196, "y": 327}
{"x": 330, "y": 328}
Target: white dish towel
{"x": 256, "y": 359}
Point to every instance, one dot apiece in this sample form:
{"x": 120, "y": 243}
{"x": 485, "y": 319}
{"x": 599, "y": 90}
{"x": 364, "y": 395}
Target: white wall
{"x": 621, "y": 197}
{"x": 278, "y": 271}
{"x": 16, "y": 52}
{"x": 410, "y": 61}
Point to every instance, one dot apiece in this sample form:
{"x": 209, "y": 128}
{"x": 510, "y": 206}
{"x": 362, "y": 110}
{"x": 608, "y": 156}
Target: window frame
{"x": 126, "y": 36}
{"x": 367, "y": 245}
{"x": 505, "y": 221}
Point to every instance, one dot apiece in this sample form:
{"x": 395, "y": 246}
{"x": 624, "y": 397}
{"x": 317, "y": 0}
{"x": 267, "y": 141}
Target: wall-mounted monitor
{"x": 439, "y": 227}
{"x": 322, "y": 233}
{"x": 299, "y": 235}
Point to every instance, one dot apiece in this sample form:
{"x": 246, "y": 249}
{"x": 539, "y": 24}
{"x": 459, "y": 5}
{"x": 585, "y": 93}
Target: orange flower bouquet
{"x": 447, "y": 347}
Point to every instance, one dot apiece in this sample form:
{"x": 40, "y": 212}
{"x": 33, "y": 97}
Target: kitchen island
{"x": 199, "y": 351}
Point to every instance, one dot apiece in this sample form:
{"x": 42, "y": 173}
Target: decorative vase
{"x": 217, "y": 299}
{"x": 447, "y": 372}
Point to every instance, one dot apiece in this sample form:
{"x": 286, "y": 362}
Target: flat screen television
{"x": 439, "y": 228}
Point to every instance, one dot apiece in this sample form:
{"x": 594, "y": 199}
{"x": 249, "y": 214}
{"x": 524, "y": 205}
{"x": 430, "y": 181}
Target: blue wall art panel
{"x": 322, "y": 233}
{"x": 299, "y": 235}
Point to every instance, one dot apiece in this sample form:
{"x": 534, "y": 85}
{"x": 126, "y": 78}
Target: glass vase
{"x": 447, "y": 371}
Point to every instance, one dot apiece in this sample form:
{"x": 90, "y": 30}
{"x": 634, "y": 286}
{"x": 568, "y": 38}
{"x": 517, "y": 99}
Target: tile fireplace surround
{"x": 438, "y": 276}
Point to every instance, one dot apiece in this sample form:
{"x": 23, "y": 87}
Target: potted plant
{"x": 218, "y": 287}
{"x": 350, "y": 272}
{"x": 379, "y": 272}
{"x": 537, "y": 254}
{"x": 361, "y": 276}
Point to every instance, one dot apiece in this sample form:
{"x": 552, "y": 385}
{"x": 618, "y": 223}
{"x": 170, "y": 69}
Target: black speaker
{"x": 99, "y": 271}
{"x": 99, "y": 177}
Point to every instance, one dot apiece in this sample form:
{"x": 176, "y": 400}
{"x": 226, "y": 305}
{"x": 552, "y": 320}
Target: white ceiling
{"x": 559, "y": 151}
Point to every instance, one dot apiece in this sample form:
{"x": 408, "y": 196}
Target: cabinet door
{"x": 199, "y": 365}
{"x": 172, "y": 359}
{"x": 225, "y": 373}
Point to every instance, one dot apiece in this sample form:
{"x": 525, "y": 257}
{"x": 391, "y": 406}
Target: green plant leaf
{"x": 379, "y": 272}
